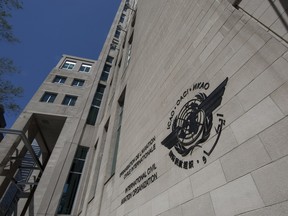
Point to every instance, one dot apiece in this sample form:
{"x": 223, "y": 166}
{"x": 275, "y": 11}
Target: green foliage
{"x": 6, "y": 33}
{"x": 7, "y": 65}
{"x": 7, "y": 89}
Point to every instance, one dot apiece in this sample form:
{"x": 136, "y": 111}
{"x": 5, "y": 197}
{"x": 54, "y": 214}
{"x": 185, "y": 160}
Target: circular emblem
{"x": 192, "y": 125}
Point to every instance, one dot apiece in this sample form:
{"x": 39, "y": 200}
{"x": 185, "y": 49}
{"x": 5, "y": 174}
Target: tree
{"x": 6, "y": 6}
{"x": 7, "y": 89}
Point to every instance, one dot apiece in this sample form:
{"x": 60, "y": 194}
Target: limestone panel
{"x": 271, "y": 79}
{"x": 271, "y": 181}
{"x": 180, "y": 193}
{"x": 251, "y": 6}
{"x": 269, "y": 16}
{"x": 261, "y": 9}
{"x": 120, "y": 211}
{"x": 173, "y": 212}
{"x": 232, "y": 198}
{"x": 208, "y": 179}
{"x": 275, "y": 139}
{"x": 201, "y": 206}
{"x": 259, "y": 62}
{"x": 281, "y": 99}
{"x": 247, "y": 157}
{"x": 279, "y": 26}
{"x": 243, "y": 55}
{"x": 255, "y": 120}
{"x": 133, "y": 213}
{"x": 232, "y": 110}
{"x": 146, "y": 209}
{"x": 274, "y": 210}
{"x": 160, "y": 203}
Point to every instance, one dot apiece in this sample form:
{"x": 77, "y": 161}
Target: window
{"x": 114, "y": 44}
{"x": 69, "y": 65}
{"x": 69, "y": 100}
{"x": 72, "y": 182}
{"x": 105, "y": 72}
{"x": 122, "y": 18}
{"x": 118, "y": 130}
{"x": 129, "y": 49}
{"x": 109, "y": 59}
{"x": 59, "y": 79}
{"x": 93, "y": 113}
{"x": 117, "y": 33}
{"x": 48, "y": 97}
{"x": 78, "y": 82}
{"x": 85, "y": 68}
{"x": 129, "y": 54}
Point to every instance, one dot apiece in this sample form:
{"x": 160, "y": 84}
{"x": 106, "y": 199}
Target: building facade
{"x": 183, "y": 113}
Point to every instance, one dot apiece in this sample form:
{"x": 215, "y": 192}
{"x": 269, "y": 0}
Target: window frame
{"x": 67, "y": 64}
{"x": 71, "y": 100}
{"x": 95, "y": 107}
{"x": 78, "y": 82}
{"x": 85, "y": 66}
{"x": 51, "y": 97}
{"x": 66, "y": 202}
{"x": 60, "y": 79}
{"x": 105, "y": 72}
{"x": 117, "y": 33}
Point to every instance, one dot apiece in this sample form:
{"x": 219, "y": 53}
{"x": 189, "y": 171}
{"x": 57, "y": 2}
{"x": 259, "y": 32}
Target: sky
{"x": 47, "y": 29}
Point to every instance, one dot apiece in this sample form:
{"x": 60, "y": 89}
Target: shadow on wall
{"x": 2, "y": 120}
{"x": 284, "y": 4}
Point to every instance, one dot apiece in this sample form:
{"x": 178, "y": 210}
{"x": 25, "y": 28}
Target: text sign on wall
{"x": 148, "y": 176}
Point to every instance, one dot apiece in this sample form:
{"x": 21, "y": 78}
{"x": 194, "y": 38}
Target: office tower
{"x": 183, "y": 113}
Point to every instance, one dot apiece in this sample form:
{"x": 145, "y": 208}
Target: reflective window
{"x": 72, "y": 182}
{"x": 59, "y": 79}
{"x": 69, "y": 100}
{"x": 69, "y": 65}
{"x": 105, "y": 72}
{"x": 117, "y": 33}
{"x": 78, "y": 82}
{"x": 85, "y": 68}
{"x": 109, "y": 59}
{"x": 48, "y": 97}
{"x": 122, "y": 18}
{"x": 93, "y": 113}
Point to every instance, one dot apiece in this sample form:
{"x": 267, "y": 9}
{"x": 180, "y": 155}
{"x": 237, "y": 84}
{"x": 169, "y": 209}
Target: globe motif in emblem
{"x": 189, "y": 122}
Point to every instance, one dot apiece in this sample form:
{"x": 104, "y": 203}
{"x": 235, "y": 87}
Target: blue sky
{"x": 47, "y": 29}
